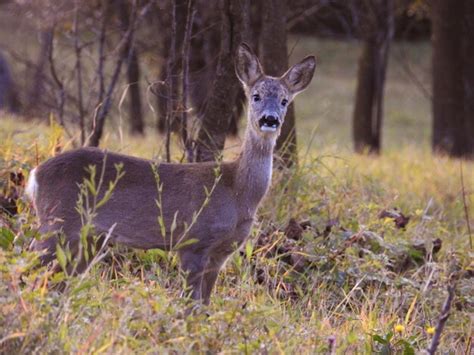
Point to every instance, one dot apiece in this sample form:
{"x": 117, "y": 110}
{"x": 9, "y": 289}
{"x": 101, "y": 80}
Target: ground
{"x": 332, "y": 260}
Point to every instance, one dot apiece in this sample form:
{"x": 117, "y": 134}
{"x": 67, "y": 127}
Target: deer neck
{"x": 254, "y": 168}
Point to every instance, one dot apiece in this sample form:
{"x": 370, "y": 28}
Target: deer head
{"x": 268, "y": 96}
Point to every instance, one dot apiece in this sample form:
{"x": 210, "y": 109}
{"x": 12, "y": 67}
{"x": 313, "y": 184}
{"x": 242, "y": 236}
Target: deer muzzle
{"x": 269, "y": 123}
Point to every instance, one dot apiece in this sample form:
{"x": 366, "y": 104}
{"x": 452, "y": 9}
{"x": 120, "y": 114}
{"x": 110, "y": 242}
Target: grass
{"x": 359, "y": 293}
{"x": 348, "y": 277}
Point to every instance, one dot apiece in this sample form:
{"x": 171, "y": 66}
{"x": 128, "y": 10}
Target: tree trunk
{"x": 453, "y": 78}
{"x": 365, "y": 137}
{"x": 37, "y": 86}
{"x": 137, "y": 126}
{"x": 8, "y": 93}
{"x": 447, "y": 73}
{"x": 203, "y": 63}
{"x": 133, "y": 75}
{"x": 220, "y": 105}
{"x": 468, "y": 55}
{"x": 274, "y": 54}
{"x": 377, "y": 29}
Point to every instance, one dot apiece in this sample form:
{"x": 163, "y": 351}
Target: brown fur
{"x": 224, "y": 223}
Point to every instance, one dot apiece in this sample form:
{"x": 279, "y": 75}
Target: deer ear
{"x": 298, "y": 77}
{"x": 247, "y": 66}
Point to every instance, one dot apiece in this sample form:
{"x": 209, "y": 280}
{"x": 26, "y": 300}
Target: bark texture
{"x": 274, "y": 54}
{"x": 377, "y": 29}
{"x": 453, "y": 78}
{"x": 220, "y": 104}
{"x": 8, "y": 92}
{"x": 137, "y": 125}
{"x": 133, "y": 75}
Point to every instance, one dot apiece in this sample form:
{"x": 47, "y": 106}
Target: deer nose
{"x": 271, "y": 119}
{"x": 269, "y": 123}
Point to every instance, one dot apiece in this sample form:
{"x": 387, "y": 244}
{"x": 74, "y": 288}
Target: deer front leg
{"x": 194, "y": 264}
{"x": 209, "y": 279}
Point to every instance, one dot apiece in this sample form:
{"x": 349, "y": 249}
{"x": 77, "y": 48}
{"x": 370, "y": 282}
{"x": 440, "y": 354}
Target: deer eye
{"x": 256, "y": 98}
{"x": 284, "y": 102}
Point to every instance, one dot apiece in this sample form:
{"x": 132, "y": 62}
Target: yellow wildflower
{"x": 399, "y": 328}
{"x": 430, "y": 330}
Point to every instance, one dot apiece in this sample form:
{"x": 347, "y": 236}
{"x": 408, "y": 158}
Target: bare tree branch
{"x": 103, "y": 109}
{"x": 170, "y": 82}
{"x": 188, "y": 149}
{"x": 102, "y": 35}
{"x": 57, "y": 80}
{"x": 78, "y": 70}
{"x": 401, "y": 58}
{"x": 466, "y": 209}
{"x": 442, "y": 320}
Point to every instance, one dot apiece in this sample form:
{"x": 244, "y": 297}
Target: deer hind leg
{"x": 67, "y": 236}
{"x": 194, "y": 263}
{"x": 47, "y": 246}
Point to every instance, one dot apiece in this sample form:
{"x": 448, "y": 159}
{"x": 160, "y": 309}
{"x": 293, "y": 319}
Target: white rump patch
{"x": 31, "y": 185}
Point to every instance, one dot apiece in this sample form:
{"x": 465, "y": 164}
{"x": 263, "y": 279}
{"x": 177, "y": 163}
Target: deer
{"x": 130, "y": 215}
